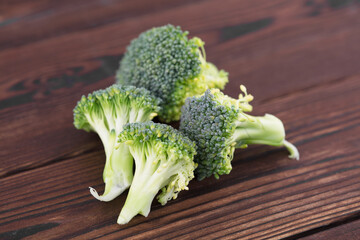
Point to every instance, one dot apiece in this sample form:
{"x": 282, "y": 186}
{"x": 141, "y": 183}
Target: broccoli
{"x": 105, "y": 112}
{"x": 218, "y": 125}
{"x": 164, "y": 61}
{"x": 163, "y": 161}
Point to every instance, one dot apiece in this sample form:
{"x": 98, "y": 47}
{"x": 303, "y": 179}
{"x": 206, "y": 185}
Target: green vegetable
{"x": 218, "y": 125}
{"x": 163, "y": 161}
{"x": 164, "y": 61}
{"x": 105, "y": 112}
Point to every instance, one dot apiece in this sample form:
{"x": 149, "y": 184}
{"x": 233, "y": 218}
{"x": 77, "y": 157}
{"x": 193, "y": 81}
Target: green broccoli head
{"x": 105, "y": 112}
{"x": 164, "y": 61}
{"x": 218, "y": 125}
{"x": 164, "y": 161}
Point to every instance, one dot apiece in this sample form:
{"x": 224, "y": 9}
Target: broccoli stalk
{"x": 268, "y": 130}
{"x": 173, "y": 67}
{"x": 218, "y": 125}
{"x": 164, "y": 161}
{"x": 105, "y": 112}
{"x": 118, "y": 171}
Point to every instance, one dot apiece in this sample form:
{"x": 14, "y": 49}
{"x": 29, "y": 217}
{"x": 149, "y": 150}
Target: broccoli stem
{"x": 116, "y": 181}
{"x": 137, "y": 203}
{"x": 150, "y": 176}
{"x": 143, "y": 183}
{"x": 294, "y": 153}
{"x": 268, "y": 130}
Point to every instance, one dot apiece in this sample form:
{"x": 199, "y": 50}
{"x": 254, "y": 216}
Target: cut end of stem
{"x": 121, "y": 220}
{"x": 126, "y": 215}
{"x": 294, "y": 153}
{"x": 113, "y": 193}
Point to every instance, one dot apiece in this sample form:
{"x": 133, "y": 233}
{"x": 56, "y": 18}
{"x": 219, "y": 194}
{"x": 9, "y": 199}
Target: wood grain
{"x": 68, "y": 17}
{"x": 82, "y": 61}
{"x": 349, "y": 230}
{"x": 300, "y": 59}
{"x": 266, "y": 195}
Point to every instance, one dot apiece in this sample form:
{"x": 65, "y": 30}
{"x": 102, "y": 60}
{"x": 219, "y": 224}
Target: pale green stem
{"x": 149, "y": 178}
{"x": 294, "y": 153}
{"x": 118, "y": 174}
{"x": 268, "y": 130}
{"x": 140, "y": 195}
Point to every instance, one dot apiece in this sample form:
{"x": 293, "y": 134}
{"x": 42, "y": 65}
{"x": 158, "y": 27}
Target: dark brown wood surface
{"x": 300, "y": 59}
{"x": 349, "y": 230}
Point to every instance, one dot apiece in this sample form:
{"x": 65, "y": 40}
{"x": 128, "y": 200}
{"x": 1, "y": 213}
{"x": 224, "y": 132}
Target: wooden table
{"x": 300, "y": 59}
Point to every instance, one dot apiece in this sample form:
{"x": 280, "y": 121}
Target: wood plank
{"x": 56, "y": 18}
{"x": 300, "y": 59}
{"x": 349, "y": 230}
{"x": 43, "y": 79}
{"x": 267, "y": 40}
{"x": 265, "y": 196}
{"x": 46, "y": 131}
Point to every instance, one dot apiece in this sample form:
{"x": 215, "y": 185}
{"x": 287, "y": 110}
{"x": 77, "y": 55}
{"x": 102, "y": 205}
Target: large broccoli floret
{"x": 164, "y": 61}
{"x": 163, "y": 161}
{"x": 105, "y": 112}
{"x": 218, "y": 125}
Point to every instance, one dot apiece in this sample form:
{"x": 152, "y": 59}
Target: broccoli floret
{"x": 163, "y": 161}
{"x": 105, "y": 112}
{"x": 218, "y": 125}
{"x": 164, "y": 61}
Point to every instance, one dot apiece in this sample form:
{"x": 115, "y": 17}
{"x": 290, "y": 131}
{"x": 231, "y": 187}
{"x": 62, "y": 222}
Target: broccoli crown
{"x": 117, "y": 102}
{"x": 171, "y": 140}
{"x": 210, "y": 121}
{"x": 105, "y": 112}
{"x": 164, "y": 161}
{"x": 164, "y": 61}
{"x": 173, "y": 150}
{"x": 218, "y": 124}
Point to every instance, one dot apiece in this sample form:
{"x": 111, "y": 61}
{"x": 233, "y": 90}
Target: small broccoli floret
{"x": 218, "y": 125}
{"x": 163, "y": 161}
{"x": 164, "y": 61}
{"x": 105, "y": 112}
